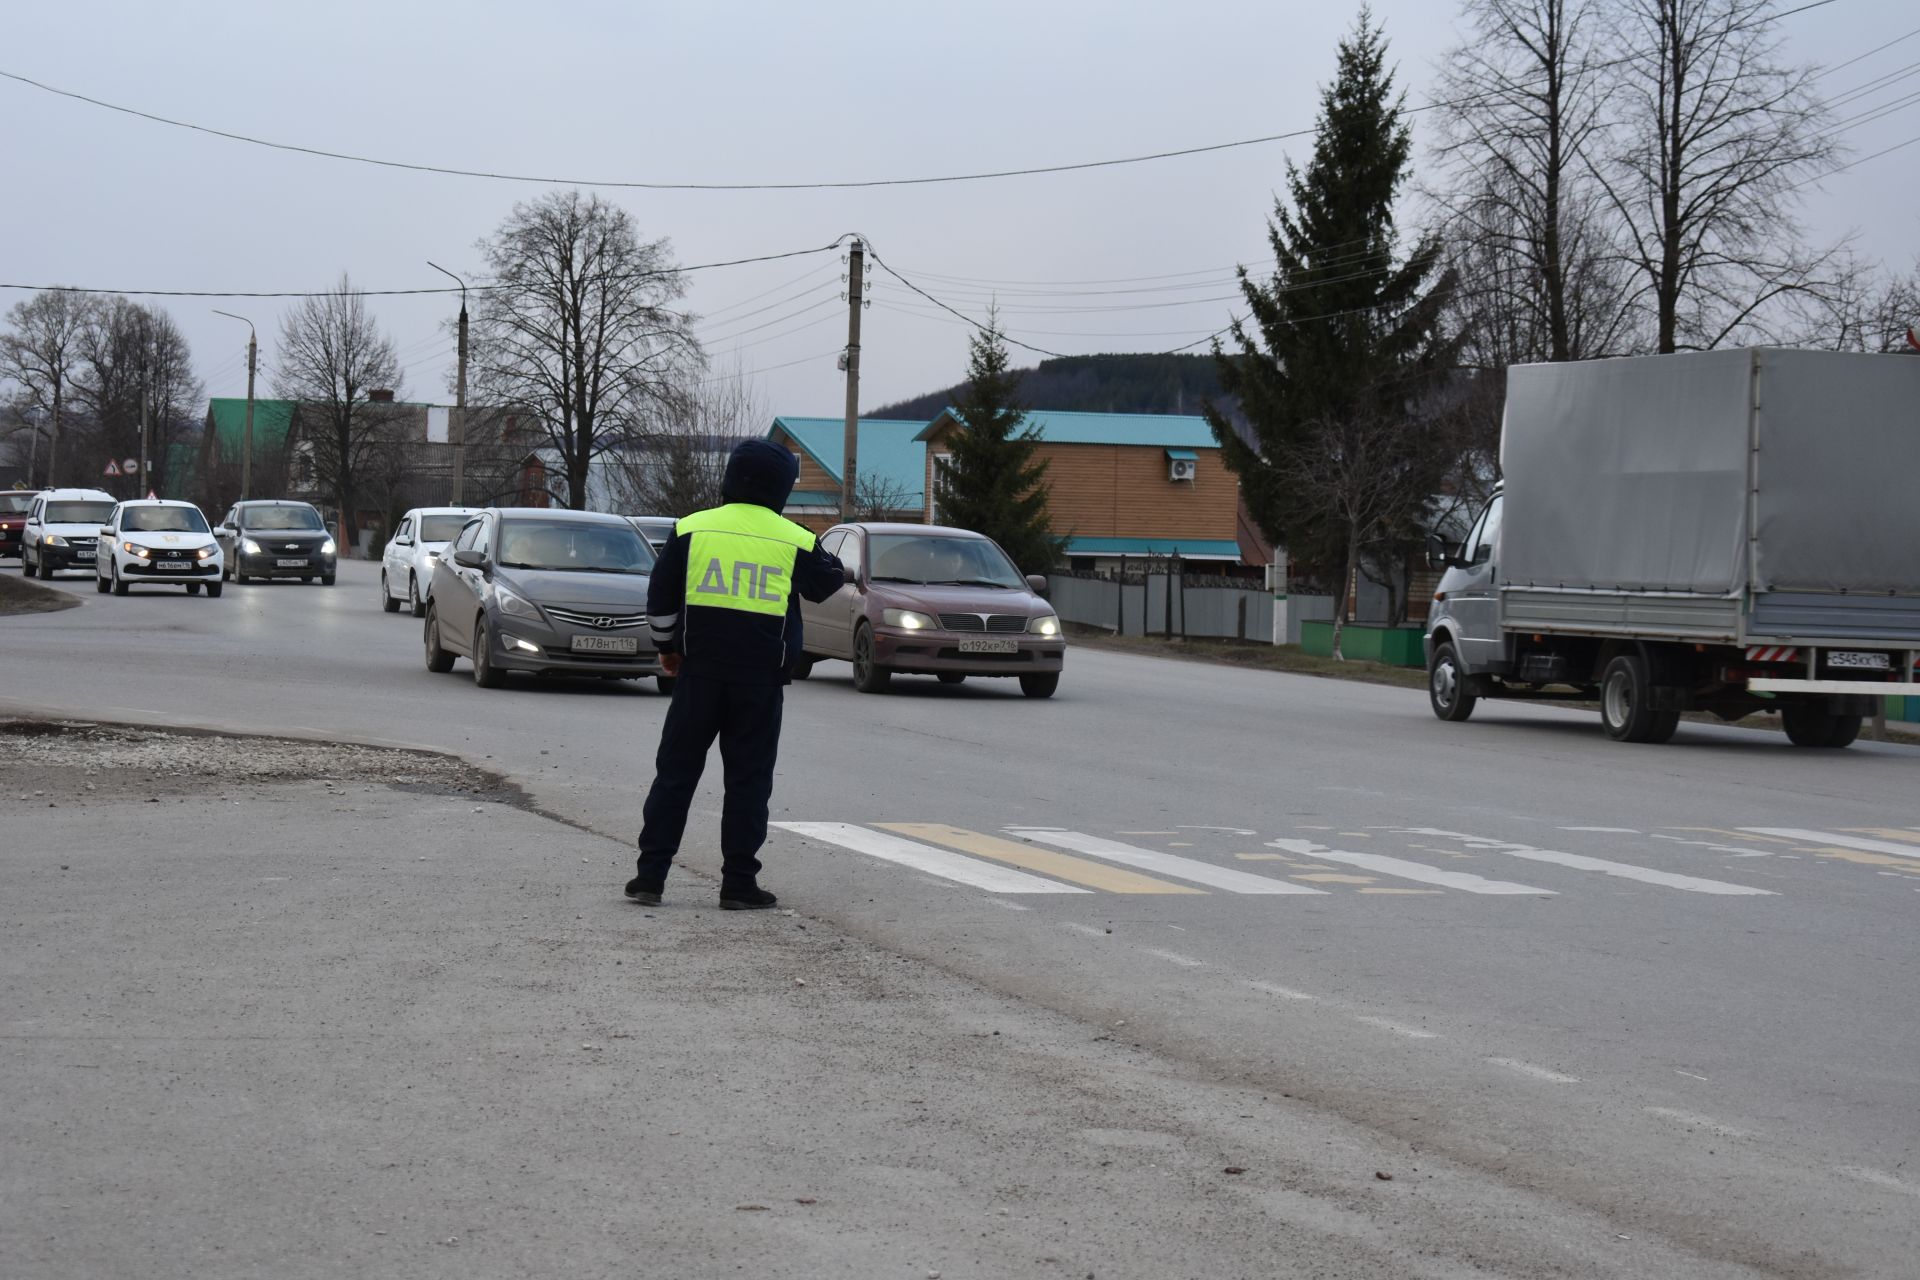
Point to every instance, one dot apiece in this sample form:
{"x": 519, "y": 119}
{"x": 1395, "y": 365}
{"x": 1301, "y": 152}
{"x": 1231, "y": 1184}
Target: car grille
{"x": 172, "y": 553}
{"x": 996, "y": 623}
{"x": 598, "y": 621}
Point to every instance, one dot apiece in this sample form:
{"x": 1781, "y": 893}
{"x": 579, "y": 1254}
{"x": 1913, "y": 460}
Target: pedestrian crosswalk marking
{"x": 1890, "y": 833}
{"x": 1165, "y": 864}
{"x": 1845, "y": 842}
{"x": 1465, "y": 881}
{"x": 1581, "y": 862}
{"x": 921, "y": 857}
{"x": 1045, "y": 861}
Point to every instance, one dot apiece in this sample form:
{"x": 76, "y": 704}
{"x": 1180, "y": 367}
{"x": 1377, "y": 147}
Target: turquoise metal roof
{"x": 1152, "y": 430}
{"x": 1191, "y": 548}
{"x": 807, "y": 498}
{"x": 890, "y": 450}
{"x": 1183, "y": 455}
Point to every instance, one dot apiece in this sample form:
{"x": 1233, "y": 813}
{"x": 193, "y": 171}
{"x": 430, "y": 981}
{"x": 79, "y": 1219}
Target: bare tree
{"x": 577, "y": 328}
{"x": 332, "y": 357}
{"x": 1363, "y": 473}
{"x": 135, "y": 366}
{"x": 40, "y": 352}
{"x": 1712, "y": 138}
{"x": 875, "y": 497}
{"x": 1532, "y": 235}
{"x": 676, "y": 470}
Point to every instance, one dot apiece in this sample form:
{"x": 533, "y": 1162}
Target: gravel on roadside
{"x": 19, "y": 596}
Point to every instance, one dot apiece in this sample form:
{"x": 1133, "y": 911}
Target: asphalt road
{"x": 1673, "y": 989}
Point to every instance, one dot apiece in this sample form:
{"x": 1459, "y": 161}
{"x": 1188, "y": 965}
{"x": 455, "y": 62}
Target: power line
{"x": 844, "y": 185}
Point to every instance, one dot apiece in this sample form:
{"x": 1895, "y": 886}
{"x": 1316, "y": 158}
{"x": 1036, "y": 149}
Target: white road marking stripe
{"x": 1399, "y": 1029}
{"x": 1692, "y": 1121}
{"x": 1166, "y": 864}
{"x": 924, "y": 857}
{"x": 1580, "y": 862}
{"x": 1624, "y": 831}
{"x": 1465, "y": 881}
{"x": 1877, "y": 1178}
{"x": 1538, "y": 1073}
{"x": 1845, "y": 842}
{"x": 1274, "y": 989}
{"x": 1174, "y": 957}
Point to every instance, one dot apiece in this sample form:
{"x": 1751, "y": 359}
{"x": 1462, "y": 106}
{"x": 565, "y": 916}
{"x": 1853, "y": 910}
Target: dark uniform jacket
{"x": 729, "y": 644}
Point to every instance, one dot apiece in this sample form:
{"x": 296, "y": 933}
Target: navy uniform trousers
{"x": 746, "y": 719}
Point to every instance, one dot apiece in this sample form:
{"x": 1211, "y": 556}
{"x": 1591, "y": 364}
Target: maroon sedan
{"x": 13, "y": 518}
{"x": 927, "y": 600}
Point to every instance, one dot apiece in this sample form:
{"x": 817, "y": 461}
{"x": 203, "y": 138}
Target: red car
{"x": 13, "y": 517}
{"x": 928, "y": 600}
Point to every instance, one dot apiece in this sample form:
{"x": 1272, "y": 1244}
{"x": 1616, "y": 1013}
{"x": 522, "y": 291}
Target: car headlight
{"x": 52, "y": 540}
{"x": 1046, "y": 625}
{"x": 327, "y": 548}
{"x": 207, "y": 553}
{"x": 249, "y": 546}
{"x": 135, "y": 549}
{"x": 513, "y": 604}
{"x": 908, "y": 620}
{"x": 516, "y": 642}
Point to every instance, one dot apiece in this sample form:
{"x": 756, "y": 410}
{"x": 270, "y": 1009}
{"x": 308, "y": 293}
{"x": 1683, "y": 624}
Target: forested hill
{"x": 1095, "y": 384}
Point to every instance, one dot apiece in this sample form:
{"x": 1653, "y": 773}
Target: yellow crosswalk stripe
{"x": 1886, "y": 833}
{"x": 1061, "y": 866}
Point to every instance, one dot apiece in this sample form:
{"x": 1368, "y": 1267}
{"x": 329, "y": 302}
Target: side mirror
{"x": 470, "y": 558}
{"x": 106, "y": 531}
{"x": 1440, "y": 553}
{"x": 1037, "y": 583}
{"x": 849, "y": 575}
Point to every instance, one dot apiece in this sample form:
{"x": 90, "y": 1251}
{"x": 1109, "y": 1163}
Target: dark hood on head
{"x": 761, "y": 472}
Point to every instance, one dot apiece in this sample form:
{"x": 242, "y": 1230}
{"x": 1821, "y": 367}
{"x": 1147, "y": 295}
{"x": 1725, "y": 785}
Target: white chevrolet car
{"x": 419, "y": 540}
{"x": 157, "y": 541}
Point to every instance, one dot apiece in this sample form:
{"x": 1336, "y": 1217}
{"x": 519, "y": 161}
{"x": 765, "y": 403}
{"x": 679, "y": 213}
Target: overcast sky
{"x": 743, "y": 92}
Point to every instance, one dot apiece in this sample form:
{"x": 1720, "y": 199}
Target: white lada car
{"x": 154, "y": 540}
{"x": 418, "y": 542}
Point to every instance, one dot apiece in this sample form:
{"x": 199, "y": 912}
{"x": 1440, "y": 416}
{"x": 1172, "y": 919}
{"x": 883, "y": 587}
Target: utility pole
{"x": 246, "y": 444}
{"x": 457, "y": 431}
{"x": 139, "y": 490}
{"x": 850, "y": 447}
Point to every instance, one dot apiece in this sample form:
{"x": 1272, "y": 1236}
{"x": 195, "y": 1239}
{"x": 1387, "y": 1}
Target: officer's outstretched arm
{"x": 817, "y": 574}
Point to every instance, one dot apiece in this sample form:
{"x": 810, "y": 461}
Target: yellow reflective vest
{"x": 740, "y": 557}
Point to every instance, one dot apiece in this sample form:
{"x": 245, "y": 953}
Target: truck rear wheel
{"x": 1447, "y": 690}
{"x": 1813, "y": 725}
{"x": 1626, "y": 703}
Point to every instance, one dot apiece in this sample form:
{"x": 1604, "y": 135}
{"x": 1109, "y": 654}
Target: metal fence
{"x": 1165, "y": 604}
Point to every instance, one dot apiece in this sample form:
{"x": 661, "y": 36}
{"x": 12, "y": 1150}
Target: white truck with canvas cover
{"x": 1727, "y": 531}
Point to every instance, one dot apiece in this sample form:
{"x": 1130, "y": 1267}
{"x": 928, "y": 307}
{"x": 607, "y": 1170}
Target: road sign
{"x": 113, "y": 468}
{"x": 130, "y": 466}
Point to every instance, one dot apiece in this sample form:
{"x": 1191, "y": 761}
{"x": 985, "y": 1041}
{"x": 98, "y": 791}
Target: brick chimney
{"x": 382, "y": 396}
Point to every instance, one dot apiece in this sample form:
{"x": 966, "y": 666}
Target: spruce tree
{"x": 992, "y": 483}
{"x": 1344, "y": 334}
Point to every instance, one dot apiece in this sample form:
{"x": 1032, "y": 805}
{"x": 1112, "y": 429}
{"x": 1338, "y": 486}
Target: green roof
{"x": 891, "y": 451}
{"x": 227, "y": 417}
{"x": 1152, "y": 430}
{"x": 813, "y": 498}
{"x": 1191, "y": 548}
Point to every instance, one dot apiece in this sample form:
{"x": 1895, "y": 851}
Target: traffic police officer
{"x": 724, "y": 608}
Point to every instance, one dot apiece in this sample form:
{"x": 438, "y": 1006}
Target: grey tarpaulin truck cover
{"x": 1731, "y": 475}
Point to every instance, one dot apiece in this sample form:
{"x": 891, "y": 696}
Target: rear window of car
{"x": 162, "y": 520}
{"x": 77, "y": 512}
{"x": 301, "y": 517}
{"x": 440, "y": 528}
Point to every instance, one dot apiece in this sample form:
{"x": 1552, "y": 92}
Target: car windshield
{"x": 162, "y": 520}
{"x": 572, "y": 545}
{"x": 440, "y": 528}
{"x": 301, "y": 517}
{"x": 78, "y": 512}
{"x": 15, "y": 502}
{"x": 918, "y": 558}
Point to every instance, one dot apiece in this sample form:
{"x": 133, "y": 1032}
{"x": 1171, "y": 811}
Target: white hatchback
{"x": 160, "y": 542}
{"x": 406, "y": 567}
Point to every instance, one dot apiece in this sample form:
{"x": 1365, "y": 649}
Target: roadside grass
{"x": 1294, "y": 661}
{"x": 18, "y": 595}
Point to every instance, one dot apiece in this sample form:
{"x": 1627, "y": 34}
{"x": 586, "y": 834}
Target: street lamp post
{"x": 459, "y": 429}
{"x": 246, "y": 444}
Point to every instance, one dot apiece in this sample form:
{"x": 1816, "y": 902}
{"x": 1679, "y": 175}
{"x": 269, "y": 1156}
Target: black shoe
{"x": 746, "y": 900}
{"x": 645, "y": 895}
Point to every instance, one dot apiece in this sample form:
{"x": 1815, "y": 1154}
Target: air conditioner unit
{"x": 1181, "y": 468}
